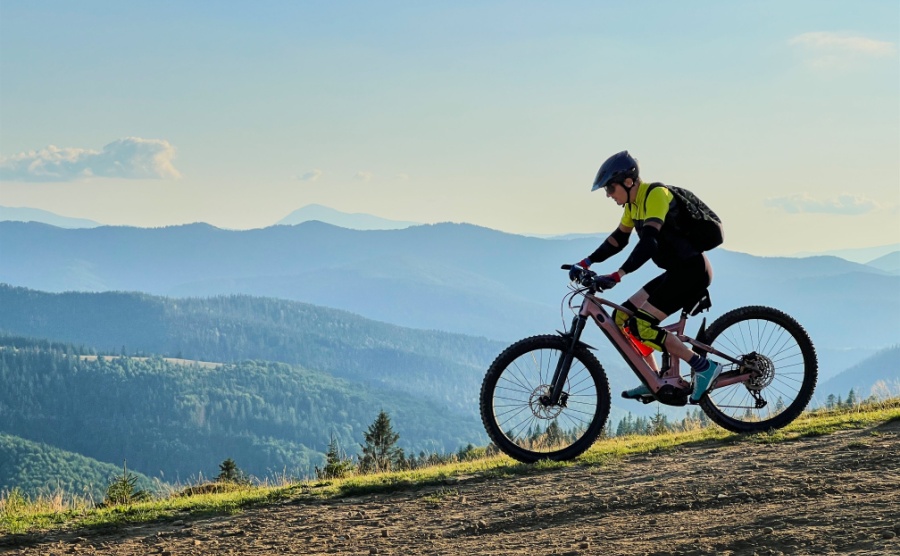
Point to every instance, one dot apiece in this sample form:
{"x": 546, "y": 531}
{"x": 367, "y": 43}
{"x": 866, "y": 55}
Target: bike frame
{"x": 592, "y": 307}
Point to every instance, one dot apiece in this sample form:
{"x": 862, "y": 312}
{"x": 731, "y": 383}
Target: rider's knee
{"x": 646, "y": 328}
{"x": 621, "y": 317}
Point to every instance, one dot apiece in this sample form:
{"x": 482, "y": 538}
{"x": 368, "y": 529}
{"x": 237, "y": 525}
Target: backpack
{"x": 696, "y": 221}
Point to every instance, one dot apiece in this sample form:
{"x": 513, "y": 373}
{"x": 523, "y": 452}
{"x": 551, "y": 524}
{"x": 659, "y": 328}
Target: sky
{"x": 783, "y": 116}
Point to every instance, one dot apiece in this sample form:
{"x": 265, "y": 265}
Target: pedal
{"x": 641, "y": 398}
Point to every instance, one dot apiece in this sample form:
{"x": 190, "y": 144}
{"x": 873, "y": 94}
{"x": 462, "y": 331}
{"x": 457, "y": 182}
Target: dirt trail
{"x": 835, "y": 494}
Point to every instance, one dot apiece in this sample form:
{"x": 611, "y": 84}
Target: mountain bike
{"x": 547, "y": 397}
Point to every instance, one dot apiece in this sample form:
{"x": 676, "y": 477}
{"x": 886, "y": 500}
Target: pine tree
{"x": 123, "y": 489}
{"x": 779, "y": 405}
{"x": 337, "y": 464}
{"x": 851, "y": 398}
{"x": 704, "y": 419}
{"x": 380, "y": 452}
{"x": 229, "y": 472}
{"x": 659, "y": 423}
{"x": 554, "y": 434}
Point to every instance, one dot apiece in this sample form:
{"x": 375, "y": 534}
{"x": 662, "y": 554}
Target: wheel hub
{"x": 540, "y": 405}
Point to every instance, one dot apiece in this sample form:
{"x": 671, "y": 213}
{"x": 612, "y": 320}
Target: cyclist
{"x": 687, "y": 273}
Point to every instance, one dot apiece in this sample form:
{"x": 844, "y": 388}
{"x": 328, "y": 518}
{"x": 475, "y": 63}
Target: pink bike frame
{"x": 592, "y": 306}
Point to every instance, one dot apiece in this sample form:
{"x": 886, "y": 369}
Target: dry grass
{"x": 19, "y": 514}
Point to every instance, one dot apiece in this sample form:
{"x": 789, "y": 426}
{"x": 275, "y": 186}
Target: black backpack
{"x": 699, "y": 224}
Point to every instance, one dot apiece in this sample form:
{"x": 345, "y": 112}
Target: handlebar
{"x": 587, "y": 277}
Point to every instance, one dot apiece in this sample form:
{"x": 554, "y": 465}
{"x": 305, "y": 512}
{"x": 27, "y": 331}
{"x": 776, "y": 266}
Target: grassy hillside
{"x": 811, "y": 424}
{"x": 38, "y": 469}
{"x": 177, "y": 421}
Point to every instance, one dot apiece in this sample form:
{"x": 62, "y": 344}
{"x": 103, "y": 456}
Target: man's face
{"x": 618, "y": 193}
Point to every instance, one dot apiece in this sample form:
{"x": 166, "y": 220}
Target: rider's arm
{"x": 613, "y": 244}
{"x": 645, "y": 248}
{"x": 656, "y": 209}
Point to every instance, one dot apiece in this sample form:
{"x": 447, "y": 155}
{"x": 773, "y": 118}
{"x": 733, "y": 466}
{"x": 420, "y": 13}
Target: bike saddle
{"x": 702, "y": 304}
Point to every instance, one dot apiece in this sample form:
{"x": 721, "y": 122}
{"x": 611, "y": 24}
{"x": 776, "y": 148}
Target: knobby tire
{"x": 778, "y": 336}
{"x": 519, "y": 427}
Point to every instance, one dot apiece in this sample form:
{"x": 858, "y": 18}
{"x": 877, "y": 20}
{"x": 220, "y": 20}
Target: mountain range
{"x": 453, "y": 277}
{"x": 414, "y": 315}
{"x": 363, "y": 221}
{"x": 864, "y": 255}
{"x": 352, "y": 221}
{"x": 861, "y": 378}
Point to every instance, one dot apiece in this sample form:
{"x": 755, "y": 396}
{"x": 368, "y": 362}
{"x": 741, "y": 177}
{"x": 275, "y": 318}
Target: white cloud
{"x": 130, "y": 158}
{"x": 312, "y": 175}
{"x": 842, "y": 204}
{"x": 824, "y": 50}
{"x": 364, "y": 176}
{"x": 839, "y": 42}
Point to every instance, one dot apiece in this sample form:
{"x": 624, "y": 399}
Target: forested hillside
{"x": 39, "y": 469}
{"x": 441, "y": 368}
{"x": 176, "y": 421}
{"x": 881, "y": 371}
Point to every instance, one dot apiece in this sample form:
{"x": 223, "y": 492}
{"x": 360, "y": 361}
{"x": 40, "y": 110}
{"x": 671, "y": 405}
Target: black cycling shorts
{"x": 679, "y": 286}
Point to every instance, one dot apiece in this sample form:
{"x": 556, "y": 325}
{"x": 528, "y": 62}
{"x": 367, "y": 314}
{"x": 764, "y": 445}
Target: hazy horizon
{"x": 860, "y": 255}
{"x": 784, "y": 117}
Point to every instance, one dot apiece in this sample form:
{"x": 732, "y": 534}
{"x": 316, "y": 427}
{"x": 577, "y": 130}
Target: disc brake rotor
{"x": 540, "y": 406}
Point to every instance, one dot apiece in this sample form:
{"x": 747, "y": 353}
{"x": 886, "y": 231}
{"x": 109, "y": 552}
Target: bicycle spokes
{"x": 778, "y": 356}
{"x": 517, "y": 404}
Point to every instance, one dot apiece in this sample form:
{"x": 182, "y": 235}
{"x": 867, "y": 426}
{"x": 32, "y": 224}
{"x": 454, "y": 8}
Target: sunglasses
{"x": 610, "y": 187}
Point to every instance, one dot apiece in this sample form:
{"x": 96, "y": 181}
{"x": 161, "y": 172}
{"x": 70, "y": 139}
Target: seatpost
{"x": 565, "y": 362}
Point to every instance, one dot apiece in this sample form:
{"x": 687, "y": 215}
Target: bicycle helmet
{"x": 616, "y": 168}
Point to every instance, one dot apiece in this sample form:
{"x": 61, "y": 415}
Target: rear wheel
{"x": 514, "y": 397}
{"x": 787, "y": 368}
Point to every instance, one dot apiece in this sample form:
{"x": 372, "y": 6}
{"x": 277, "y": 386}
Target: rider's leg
{"x": 705, "y": 371}
{"x": 675, "y": 289}
{"x": 646, "y": 351}
{"x": 621, "y": 319}
{"x": 681, "y": 287}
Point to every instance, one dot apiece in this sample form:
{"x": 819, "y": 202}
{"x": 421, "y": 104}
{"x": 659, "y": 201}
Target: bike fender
{"x": 580, "y": 343}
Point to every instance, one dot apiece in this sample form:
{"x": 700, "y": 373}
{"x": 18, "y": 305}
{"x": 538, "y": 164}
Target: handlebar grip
{"x": 566, "y": 267}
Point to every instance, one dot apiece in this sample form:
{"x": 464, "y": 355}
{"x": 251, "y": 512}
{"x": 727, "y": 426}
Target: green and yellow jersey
{"x": 655, "y": 203}
{"x": 650, "y": 204}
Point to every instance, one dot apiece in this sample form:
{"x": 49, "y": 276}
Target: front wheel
{"x": 787, "y": 368}
{"x": 515, "y": 393}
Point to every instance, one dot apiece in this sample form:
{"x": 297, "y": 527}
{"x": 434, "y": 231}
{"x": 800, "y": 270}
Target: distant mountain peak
{"x": 888, "y": 263}
{"x": 27, "y": 214}
{"x": 353, "y": 221}
{"x": 862, "y": 255}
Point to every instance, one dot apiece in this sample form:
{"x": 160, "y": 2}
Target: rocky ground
{"x": 834, "y": 494}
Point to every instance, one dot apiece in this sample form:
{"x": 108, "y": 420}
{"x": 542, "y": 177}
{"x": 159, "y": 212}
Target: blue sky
{"x": 784, "y": 116}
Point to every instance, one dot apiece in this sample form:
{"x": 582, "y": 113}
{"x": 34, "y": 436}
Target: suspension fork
{"x": 565, "y": 362}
